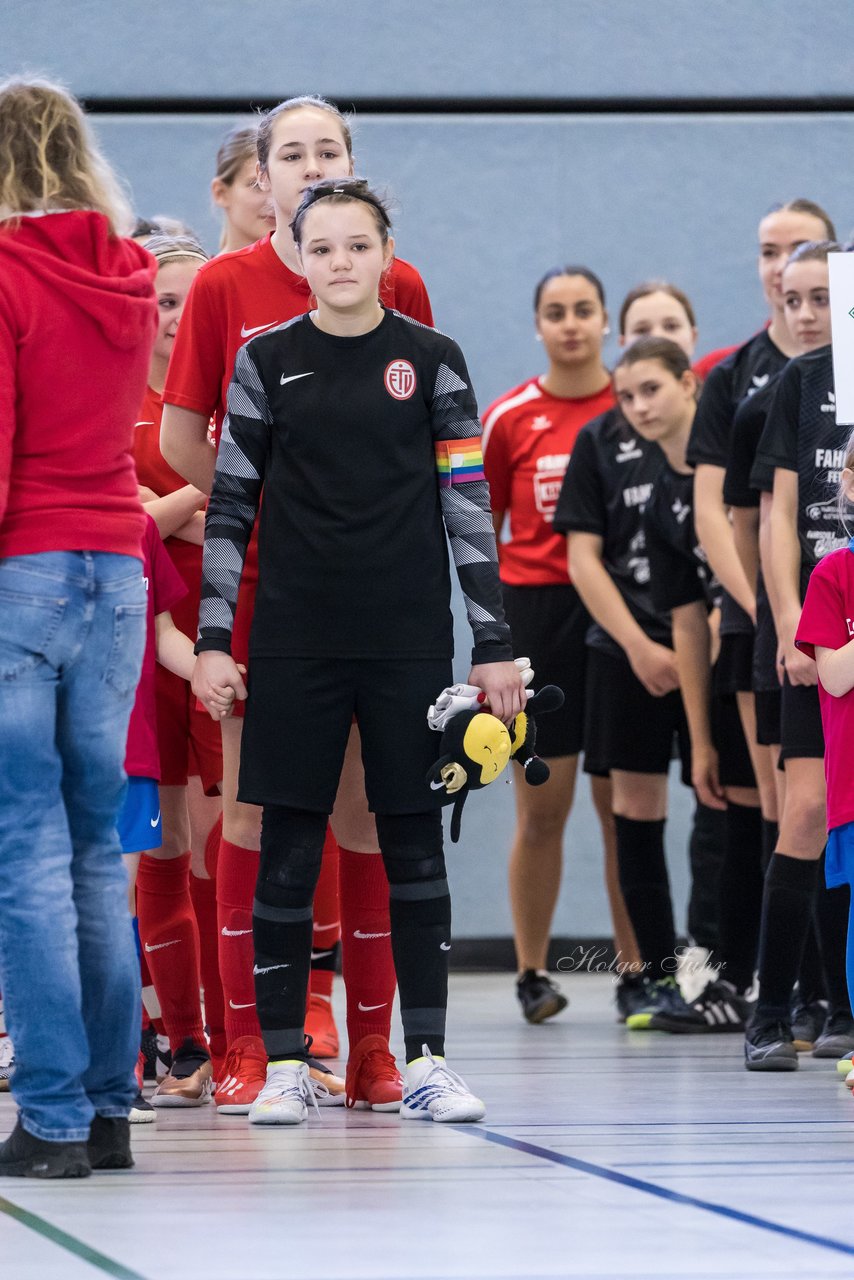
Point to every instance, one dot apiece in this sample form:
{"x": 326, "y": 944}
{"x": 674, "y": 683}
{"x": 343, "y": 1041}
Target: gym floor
{"x": 605, "y": 1154}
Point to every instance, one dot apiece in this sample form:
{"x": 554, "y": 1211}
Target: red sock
{"x": 327, "y": 923}
{"x": 203, "y": 894}
{"x": 170, "y": 940}
{"x": 369, "y": 976}
{"x": 237, "y": 872}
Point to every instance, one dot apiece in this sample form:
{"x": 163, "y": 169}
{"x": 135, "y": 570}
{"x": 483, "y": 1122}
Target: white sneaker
{"x": 7, "y": 1062}
{"x": 432, "y": 1091}
{"x": 284, "y": 1096}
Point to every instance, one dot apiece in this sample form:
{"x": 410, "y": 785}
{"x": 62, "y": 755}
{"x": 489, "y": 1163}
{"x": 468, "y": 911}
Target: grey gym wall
{"x": 487, "y": 202}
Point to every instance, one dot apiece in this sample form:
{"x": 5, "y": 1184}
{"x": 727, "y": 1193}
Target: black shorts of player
{"x": 768, "y": 714}
{"x": 734, "y": 667}
{"x": 801, "y": 734}
{"x": 734, "y": 767}
{"x": 625, "y": 726}
{"x": 298, "y": 718}
{"x": 548, "y": 625}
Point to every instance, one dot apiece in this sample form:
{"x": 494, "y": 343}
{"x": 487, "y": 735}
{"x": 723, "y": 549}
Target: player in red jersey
{"x": 529, "y": 434}
{"x": 247, "y": 212}
{"x": 234, "y": 298}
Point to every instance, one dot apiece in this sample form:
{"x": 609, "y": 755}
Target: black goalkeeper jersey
{"x": 801, "y": 434}
{"x": 368, "y": 450}
{"x": 607, "y": 484}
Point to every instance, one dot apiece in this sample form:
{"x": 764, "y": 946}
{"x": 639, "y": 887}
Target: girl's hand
{"x": 213, "y": 674}
{"x": 502, "y": 684}
{"x": 655, "y": 667}
{"x": 799, "y": 668}
{"x": 704, "y": 777}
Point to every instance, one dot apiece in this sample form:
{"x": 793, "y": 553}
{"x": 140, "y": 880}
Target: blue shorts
{"x": 138, "y": 823}
{"x": 839, "y": 858}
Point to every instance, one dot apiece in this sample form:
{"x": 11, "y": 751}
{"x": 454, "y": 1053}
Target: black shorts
{"x": 298, "y": 718}
{"x": 801, "y": 734}
{"x": 734, "y": 766}
{"x": 625, "y": 726}
{"x": 548, "y": 625}
{"x": 734, "y": 667}
{"x": 765, "y": 648}
{"x": 768, "y": 716}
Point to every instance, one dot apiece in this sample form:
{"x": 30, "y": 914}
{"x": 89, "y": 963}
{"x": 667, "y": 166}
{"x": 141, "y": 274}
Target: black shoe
{"x": 142, "y": 1112}
{"x": 723, "y": 1009}
{"x": 148, "y": 1049}
{"x": 630, "y": 995}
{"x": 539, "y": 997}
{"x": 23, "y": 1155}
{"x": 109, "y": 1143}
{"x": 768, "y": 1046}
{"x": 807, "y": 1023}
{"x": 837, "y": 1036}
{"x": 665, "y": 1010}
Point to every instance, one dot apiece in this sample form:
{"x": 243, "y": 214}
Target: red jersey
{"x": 827, "y": 622}
{"x": 528, "y": 436}
{"x": 164, "y": 588}
{"x": 238, "y": 295}
{"x": 153, "y": 471}
{"x": 77, "y": 321}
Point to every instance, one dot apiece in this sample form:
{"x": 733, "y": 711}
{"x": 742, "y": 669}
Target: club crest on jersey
{"x": 400, "y": 379}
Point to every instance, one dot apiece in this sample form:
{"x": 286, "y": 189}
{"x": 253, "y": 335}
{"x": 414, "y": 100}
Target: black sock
{"x": 706, "y": 854}
{"x": 810, "y": 971}
{"x": 420, "y": 911}
{"x": 770, "y": 835}
{"x": 831, "y": 917}
{"x": 291, "y": 850}
{"x": 646, "y": 890}
{"x": 741, "y": 887}
{"x": 787, "y": 906}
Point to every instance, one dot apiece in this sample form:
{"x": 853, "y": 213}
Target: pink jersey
{"x": 165, "y": 588}
{"x": 827, "y": 622}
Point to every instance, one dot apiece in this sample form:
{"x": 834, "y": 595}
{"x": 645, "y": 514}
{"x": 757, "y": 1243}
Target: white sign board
{"x": 842, "y": 327}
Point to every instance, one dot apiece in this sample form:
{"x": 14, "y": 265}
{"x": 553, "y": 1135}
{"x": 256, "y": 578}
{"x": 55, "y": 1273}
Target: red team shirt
{"x": 827, "y": 621}
{"x": 528, "y": 436}
{"x": 164, "y": 589}
{"x": 234, "y": 297}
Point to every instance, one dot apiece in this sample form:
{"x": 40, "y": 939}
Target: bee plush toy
{"x": 476, "y": 745}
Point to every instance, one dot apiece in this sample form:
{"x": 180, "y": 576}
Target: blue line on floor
{"x": 57, "y": 1236}
{"x": 652, "y": 1189}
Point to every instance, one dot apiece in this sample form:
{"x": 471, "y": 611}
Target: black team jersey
{"x": 679, "y": 573}
{"x": 801, "y": 434}
{"x": 607, "y": 484}
{"x": 743, "y": 374}
{"x": 368, "y": 450}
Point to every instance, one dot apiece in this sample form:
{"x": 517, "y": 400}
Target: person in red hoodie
{"x": 77, "y": 322}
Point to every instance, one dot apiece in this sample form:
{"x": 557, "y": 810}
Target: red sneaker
{"x": 320, "y": 1025}
{"x": 243, "y": 1076}
{"x": 373, "y": 1079}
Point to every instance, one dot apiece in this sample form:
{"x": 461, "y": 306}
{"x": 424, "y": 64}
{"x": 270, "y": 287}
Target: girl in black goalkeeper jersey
{"x": 799, "y": 459}
{"x": 362, "y": 427}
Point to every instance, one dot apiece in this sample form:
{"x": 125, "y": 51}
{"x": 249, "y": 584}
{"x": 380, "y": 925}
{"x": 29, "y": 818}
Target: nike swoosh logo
{"x": 366, "y": 1008}
{"x": 436, "y": 786}
{"x": 294, "y": 376}
{"x": 143, "y": 424}
{"x": 323, "y": 928}
{"x": 357, "y": 933}
{"x": 444, "y": 946}
{"x": 158, "y": 946}
{"x": 270, "y": 968}
{"x": 250, "y": 1005}
{"x": 234, "y": 933}
{"x": 318, "y": 955}
{"x": 259, "y": 328}
{"x": 154, "y": 821}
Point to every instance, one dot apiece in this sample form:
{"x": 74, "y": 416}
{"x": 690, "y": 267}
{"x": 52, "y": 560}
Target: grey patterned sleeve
{"x": 234, "y": 501}
{"x": 464, "y": 495}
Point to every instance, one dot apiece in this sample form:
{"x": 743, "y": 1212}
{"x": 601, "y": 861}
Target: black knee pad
{"x": 291, "y": 852}
{"x": 411, "y": 845}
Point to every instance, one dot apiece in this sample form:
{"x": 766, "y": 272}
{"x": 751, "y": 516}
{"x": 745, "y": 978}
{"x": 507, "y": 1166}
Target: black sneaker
{"x": 142, "y": 1112}
{"x": 148, "y": 1049}
{"x": 109, "y": 1143}
{"x": 837, "y": 1036}
{"x": 768, "y": 1046}
{"x": 665, "y": 1010}
{"x": 23, "y": 1155}
{"x": 807, "y": 1023}
{"x": 539, "y": 997}
{"x": 630, "y": 995}
{"x": 723, "y": 1009}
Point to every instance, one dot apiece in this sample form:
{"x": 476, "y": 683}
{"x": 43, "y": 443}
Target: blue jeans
{"x": 72, "y": 634}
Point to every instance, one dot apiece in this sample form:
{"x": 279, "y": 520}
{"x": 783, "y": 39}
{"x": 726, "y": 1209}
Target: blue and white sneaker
{"x": 432, "y": 1091}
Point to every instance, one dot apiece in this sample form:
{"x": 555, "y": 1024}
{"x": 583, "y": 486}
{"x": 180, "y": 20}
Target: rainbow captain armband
{"x": 458, "y": 461}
